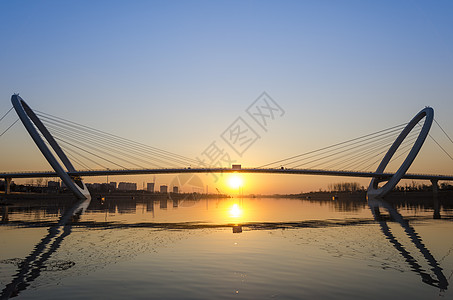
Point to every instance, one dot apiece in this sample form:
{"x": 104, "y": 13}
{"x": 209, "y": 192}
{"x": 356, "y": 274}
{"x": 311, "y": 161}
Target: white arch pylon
{"x": 373, "y": 189}
{"x": 28, "y": 118}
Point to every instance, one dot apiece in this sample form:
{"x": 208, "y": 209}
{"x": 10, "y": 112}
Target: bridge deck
{"x": 224, "y": 170}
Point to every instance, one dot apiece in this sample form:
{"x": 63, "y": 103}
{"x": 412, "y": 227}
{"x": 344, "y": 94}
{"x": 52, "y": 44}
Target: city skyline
{"x": 177, "y": 76}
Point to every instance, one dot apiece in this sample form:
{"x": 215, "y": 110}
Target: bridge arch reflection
{"x": 440, "y": 281}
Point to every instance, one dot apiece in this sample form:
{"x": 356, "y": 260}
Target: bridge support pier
{"x": 436, "y": 203}
{"x": 7, "y": 185}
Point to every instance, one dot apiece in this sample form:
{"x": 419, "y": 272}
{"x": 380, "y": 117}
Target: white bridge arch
{"x": 373, "y": 189}
{"x": 28, "y": 118}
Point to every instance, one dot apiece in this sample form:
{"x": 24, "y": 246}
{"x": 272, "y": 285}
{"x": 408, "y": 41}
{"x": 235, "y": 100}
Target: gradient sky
{"x": 176, "y": 74}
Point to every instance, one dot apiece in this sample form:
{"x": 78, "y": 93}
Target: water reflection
{"x": 163, "y": 204}
{"x": 5, "y": 218}
{"x": 250, "y": 212}
{"x": 329, "y": 229}
{"x": 375, "y": 205}
{"x": 30, "y": 268}
{"x": 235, "y": 211}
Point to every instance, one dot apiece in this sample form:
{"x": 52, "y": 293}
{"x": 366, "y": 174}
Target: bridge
{"x": 92, "y": 145}
{"x": 88, "y": 173}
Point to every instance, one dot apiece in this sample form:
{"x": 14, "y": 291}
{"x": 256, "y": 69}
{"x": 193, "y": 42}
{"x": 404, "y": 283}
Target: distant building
{"x": 97, "y": 187}
{"x": 175, "y": 189}
{"x": 53, "y": 185}
{"x": 127, "y": 186}
{"x": 150, "y": 187}
{"x": 112, "y": 185}
{"x": 164, "y": 189}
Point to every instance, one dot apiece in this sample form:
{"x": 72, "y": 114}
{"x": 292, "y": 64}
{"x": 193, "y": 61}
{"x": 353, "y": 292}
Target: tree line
{"x": 413, "y": 186}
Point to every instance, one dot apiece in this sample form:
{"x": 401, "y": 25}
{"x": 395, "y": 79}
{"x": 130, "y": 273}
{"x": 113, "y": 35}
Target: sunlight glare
{"x": 235, "y": 211}
{"x": 235, "y": 182}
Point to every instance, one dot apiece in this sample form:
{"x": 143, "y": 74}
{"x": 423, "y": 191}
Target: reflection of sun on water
{"x": 235, "y": 211}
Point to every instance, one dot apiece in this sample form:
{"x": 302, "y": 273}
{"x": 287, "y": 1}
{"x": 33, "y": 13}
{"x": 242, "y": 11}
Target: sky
{"x": 177, "y": 74}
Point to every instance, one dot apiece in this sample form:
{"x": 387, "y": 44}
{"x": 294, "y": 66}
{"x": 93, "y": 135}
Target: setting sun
{"x": 235, "y": 182}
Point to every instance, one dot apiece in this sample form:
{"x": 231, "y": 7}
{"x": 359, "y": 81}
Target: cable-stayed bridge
{"x": 67, "y": 145}
{"x": 88, "y": 173}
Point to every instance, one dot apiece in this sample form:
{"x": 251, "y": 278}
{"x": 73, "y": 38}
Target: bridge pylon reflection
{"x": 440, "y": 281}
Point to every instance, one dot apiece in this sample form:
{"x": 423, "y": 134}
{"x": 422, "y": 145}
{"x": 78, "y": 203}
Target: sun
{"x": 235, "y": 182}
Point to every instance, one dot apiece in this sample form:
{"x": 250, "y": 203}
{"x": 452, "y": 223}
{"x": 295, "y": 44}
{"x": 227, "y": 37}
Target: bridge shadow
{"x": 440, "y": 281}
{"x": 31, "y": 267}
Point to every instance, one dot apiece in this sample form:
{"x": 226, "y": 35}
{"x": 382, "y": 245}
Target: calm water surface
{"x": 251, "y": 248}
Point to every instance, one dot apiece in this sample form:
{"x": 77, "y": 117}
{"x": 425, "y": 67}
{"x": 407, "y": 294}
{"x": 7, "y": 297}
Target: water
{"x": 252, "y": 248}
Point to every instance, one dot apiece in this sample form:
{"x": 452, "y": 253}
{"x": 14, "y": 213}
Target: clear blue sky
{"x": 176, "y": 74}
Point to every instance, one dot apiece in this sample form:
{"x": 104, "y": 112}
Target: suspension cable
{"x": 6, "y": 114}
{"x": 9, "y": 128}
{"x": 339, "y": 152}
{"x": 445, "y": 151}
{"x": 67, "y": 153}
{"x": 442, "y": 148}
{"x": 331, "y": 146}
{"x": 106, "y": 144}
{"x": 364, "y": 157}
{"x": 443, "y": 131}
{"x": 363, "y": 153}
{"x": 117, "y": 142}
{"x": 351, "y": 145}
{"x": 395, "y": 157}
{"x": 66, "y": 142}
{"x": 164, "y": 152}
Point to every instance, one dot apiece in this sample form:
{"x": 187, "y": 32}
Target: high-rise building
{"x": 150, "y": 187}
{"x": 175, "y": 189}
